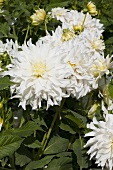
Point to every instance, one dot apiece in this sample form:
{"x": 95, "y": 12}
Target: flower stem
{"x": 70, "y": 142}
{"x": 12, "y": 162}
{"x": 46, "y": 136}
{"x": 75, "y": 2}
{"x": 45, "y": 24}
{"x": 14, "y": 33}
{"x": 26, "y": 34}
{"x": 84, "y": 21}
{"x": 39, "y": 3}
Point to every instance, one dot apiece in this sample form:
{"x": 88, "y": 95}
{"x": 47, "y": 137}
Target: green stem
{"x": 46, "y": 136}
{"x": 81, "y": 144}
{"x": 84, "y": 21}
{"x": 50, "y": 130}
{"x": 39, "y": 3}
{"x": 26, "y": 33}
{"x": 33, "y": 148}
{"x": 14, "y": 32}
{"x": 40, "y": 150}
{"x": 45, "y": 27}
{"x": 70, "y": 142}
{"x": 75, "y": 3}
{"x": 12, "y": 162}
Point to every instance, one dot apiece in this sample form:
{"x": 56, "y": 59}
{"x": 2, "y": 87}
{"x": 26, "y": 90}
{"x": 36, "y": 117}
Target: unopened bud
{"x": 1, "y": 123}
{"x": 1, "y": 105}
{"x": 92, "y": 110}
{"x": 77, "y": 28}
{"x": 38, "y": 17}
{"x": 92, "y": 8}
{"x": 1, "y": 2}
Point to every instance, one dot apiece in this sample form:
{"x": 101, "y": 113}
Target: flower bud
{"x": 38, "y": 17}
{"x": 67, "y": 35}
{"x": 92, "y": 8}
{"x": 92, "y": 110}
{"x": 1, "y": 105}
{"x": 78, "y": 28}
{"x": 1, "y": 123}
{"x": 1, "y": 2}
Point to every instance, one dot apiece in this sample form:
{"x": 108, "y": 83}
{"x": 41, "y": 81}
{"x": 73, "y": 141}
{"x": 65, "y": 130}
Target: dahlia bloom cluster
{"x": 79, "y": 37}
{"x": 69, "y": 62}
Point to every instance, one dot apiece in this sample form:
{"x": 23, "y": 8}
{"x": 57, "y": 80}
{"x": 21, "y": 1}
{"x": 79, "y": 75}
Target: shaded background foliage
{"x": 20, "y": 139}
{"x": 15, "y": 18}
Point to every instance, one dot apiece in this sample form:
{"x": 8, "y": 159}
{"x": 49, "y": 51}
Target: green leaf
{"x": 40, "y": 163}
{"x": 78, "y": 119}
{"x": 5, "y": 82}
{"x": 27, "y": 129}
{"x": 80, "y": 153}
{"x": 58, "y": 3}
{"x": 35, "y": 144}
{"x": 61, "y": 163}
{"x": 67, "y": 154}
{"x": 22, "y": 156}
{"x": 109, "y": 40}
{"x": 57, "y": 144}
{"x": 40, "y": 121}
{"x": 66, "y": 127}
{"x": 9, "y": 144}
{"x": 4, "y": 29}
{"x": 111, "y": 90}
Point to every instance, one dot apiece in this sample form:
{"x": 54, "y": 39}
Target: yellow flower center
{"x": 97, "y": 70}
{"x": 67, "y": 35}
{"x": 94, "y": 46}
{"x": 97, "y": 44}
{"x": 72, "y": 64}
{"x": 39, "y": 69}
{"x": 59, "y": 13}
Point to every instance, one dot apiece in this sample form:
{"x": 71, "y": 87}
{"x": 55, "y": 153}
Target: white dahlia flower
{"x": 78, "y": 60}
{"x": 87, "y": 69}
{"x": 58, "y": 37}
{"x": 93, "y": 42}
{"x": 98, "y": 67}
{"x": 59, "y": 13}
{"x": 75, "y": 18}
{"x": 101, "y": 141}
{"x": 55, "y": 39}
{"x": 39, "y": 74}
{"x": 7, "y": 47}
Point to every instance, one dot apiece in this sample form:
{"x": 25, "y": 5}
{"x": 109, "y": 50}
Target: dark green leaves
{"x": 39, "y": 164}
{"x": 5, "y": 82}
{"x": 80, "y": 153}
{"x": 61, "y": 163}
{"x": 58, "y": 3}
{"x": 57, "y": 144}
{"x": 9, "y": 144}
{"x": 75, "y": 119}
{"x": 111, "y": 90}
{"x": 22, "y": 156}
{"x": 27, "y": 129}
